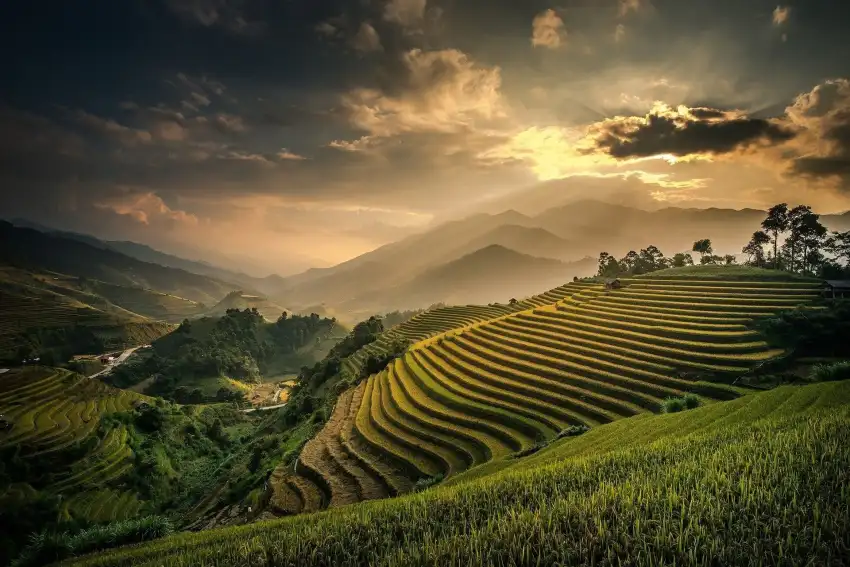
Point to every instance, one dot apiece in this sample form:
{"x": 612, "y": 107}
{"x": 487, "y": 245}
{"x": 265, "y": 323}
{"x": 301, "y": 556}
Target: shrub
{"x": 573, "y": 430}
{"x": 830, "y": 372}
{"x": 529, "y": 450}
{"x": 691, "y": 401}
{"x": 47, "y": 547}
{"x": 673, "y": 405}
{"x": 428, "y": 482}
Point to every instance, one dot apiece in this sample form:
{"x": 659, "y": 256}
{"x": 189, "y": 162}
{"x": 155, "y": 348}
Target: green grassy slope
{"x": 63, "y": 315}
{"x": 80, "y": 452}
{"x": 754, "y": 481}
{"x": 53, "y": 412}
{"x": 485, "y": 381}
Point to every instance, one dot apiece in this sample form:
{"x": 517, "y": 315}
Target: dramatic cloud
{"x": 684, "y": 132}
{"x": 407, "y": 13}
{"x": 440, "y": 91}
{"x": 145, "y": 208}
{"x": 824, "y": 116}
{"x": 780, "y": 15}
{"x": 547, "y": 30}
{"x": 254, "y": 115}
{"x": 367, "y": 39}
{"x": 286, "y": 155}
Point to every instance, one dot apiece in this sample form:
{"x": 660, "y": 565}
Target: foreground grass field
{"x": 482, "y": 382}
{"x": 760, "y": 480}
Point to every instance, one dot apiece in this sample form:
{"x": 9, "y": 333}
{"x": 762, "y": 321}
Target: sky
{"x": 281, "y": 134}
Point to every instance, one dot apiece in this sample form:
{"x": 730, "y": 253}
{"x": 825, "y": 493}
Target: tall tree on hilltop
{"x": 806, "y": 234}
{"x": 608, "y": 266}
{"x": 775, "y": 223}
{"x": 754, "y": 247}
{"x": 702, "y": 247}
{"x": 650, "y": 259}
{"x": 629, "y": 262}
{"x": 604, "y": 257}
{"x": 812, "y": 235}
{"x": 838, "y": 244}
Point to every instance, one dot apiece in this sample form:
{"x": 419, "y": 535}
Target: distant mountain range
{"x": 567, "y": 233}
{"x": 32, "y": 249}
{"x": 491, "y": 274}
{"x": 147, "y": 254}
{"x": 464, "y": 260}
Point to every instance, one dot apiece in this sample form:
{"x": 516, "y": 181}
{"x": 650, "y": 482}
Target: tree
{"x": 754, "y": 248}
{"x": 729, "y": 259}
{"x": 608, "y": 266}
{"x": 702, "y": 247}
{"x": 812, "y": 236}
{"x": 603, "y": 262}
{"x": 629, "y": 262}
{"x": 775, "y": 223}
{"x": 682, "y": 259}
{"x": 838, "y": 244}
{"x": 649, "y": 260}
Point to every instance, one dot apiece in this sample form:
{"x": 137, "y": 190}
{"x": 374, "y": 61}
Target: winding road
{"x": 118, "y": 361}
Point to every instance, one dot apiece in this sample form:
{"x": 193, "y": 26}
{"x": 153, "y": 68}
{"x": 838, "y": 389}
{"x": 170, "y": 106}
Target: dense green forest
{"x": 240, "y": 345}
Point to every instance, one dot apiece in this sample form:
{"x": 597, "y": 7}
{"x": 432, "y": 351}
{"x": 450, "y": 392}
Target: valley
{"x": 494, "y": 378}
{"x": 425, "y": 283}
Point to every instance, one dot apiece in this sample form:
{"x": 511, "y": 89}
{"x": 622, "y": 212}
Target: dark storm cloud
{"x": 187, "y": 96}
{"x": 824, "y": 112}
{"x": 705, "y": 131}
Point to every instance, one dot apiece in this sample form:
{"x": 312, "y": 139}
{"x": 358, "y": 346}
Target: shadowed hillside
{"x": 31, "y": 249}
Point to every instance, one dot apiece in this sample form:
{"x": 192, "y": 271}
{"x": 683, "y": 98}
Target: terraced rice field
{"x": 437, "y": 321}
{"x": 759, "y": 480}
{"x": 20, "y": 312}
{"x": 52, "y": 409}
{"x": 486, "y": 381}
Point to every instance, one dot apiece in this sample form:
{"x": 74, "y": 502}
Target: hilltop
{"x": 240, "y": 300}
{"x": 486, "y": 275}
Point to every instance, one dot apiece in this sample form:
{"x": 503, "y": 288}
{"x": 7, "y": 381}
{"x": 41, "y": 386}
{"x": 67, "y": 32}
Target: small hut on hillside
{"x": 837, "y": 289}
{"x": 613, "y": 283}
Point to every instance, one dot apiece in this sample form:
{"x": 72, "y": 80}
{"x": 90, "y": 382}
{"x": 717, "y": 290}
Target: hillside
{"x": 54, "y": 317}
{"x": 474, "y": 394}
{"x": 494, "y": 386}
{"x": 731, "y": 483}
{"x": 76, "y": 451}
{"x": 396, "y": 262}
{"x": 566, "y": 232}
{"x": 491, "y": 274}
{"x": 152, "y": 256}
{"x": 532, "y": 241}
{"x": 241, "y": 301}
{"x": 33, "y": 250}
{"x": 494, "y": 273}
{"x": 223, "y": 358}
